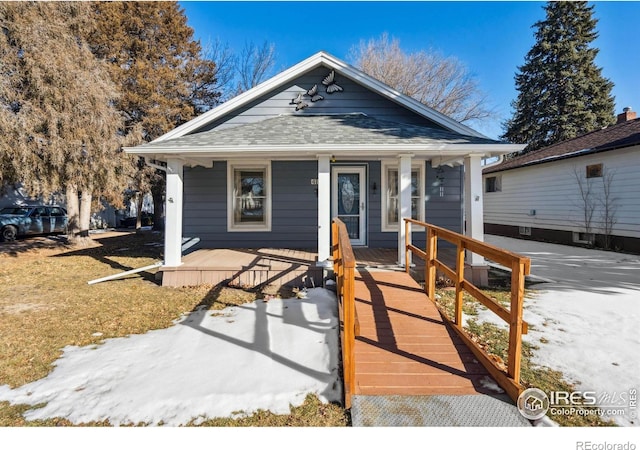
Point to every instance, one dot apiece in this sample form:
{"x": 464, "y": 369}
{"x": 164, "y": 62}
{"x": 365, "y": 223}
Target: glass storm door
{"x": 348, "y": 201}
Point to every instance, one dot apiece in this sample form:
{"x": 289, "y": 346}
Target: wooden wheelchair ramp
{"x": 411, "y": 369}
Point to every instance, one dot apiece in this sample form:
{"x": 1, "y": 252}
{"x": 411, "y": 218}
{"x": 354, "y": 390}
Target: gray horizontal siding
{"x": 445, "y": 211}
{"x": 295, "y": 205}
{"x": 294, "y": 221}
{"x": 354, "y": 98}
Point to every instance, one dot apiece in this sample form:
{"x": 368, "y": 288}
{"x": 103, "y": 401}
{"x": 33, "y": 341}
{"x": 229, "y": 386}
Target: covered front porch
{"x": 226, "y": 257}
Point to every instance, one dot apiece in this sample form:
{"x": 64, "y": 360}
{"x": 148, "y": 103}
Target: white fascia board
{"x": 308, "y": 64}
{"x": 453, "y": 154}
{"x": 434, "y": 149}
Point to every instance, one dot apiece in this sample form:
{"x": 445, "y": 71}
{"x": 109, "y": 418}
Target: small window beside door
{"x": 391, "y": 200}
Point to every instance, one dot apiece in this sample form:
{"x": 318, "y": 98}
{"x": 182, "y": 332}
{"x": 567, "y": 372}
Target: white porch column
{"x": 324, "y": 210}
{"x": 173, "y": 210}
{"x": 404, "y": 203}
{"x": 474, "y": 214}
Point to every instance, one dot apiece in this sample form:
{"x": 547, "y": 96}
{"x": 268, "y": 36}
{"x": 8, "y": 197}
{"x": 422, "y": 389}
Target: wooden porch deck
{"x": 261, "y": 267}
{"x": 251, "y": 268}
{"x": 404, "y": 347}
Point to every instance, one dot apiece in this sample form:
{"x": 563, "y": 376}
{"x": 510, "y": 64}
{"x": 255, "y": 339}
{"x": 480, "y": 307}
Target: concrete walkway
{"x": 569, "y": 268}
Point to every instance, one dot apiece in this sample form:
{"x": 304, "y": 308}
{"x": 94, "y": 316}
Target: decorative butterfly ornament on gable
{"x": 330, "y": 83}
{"x": 330, "y": 87}
{"x": 313, "y": 93}
{"x": 299, "y": 102}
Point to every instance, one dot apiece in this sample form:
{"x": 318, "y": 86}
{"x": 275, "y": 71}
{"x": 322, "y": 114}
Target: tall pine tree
{"x": 562, "y": 93}
{"x": 162, "y": 76}
{"x": 59, "y": 131}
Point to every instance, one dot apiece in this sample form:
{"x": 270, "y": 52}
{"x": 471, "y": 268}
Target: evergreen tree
{"x": 561, "y": 92}
{"x": 59, "y": 131}
{"x": 162, "y": 77}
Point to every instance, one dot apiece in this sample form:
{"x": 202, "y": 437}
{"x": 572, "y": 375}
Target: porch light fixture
{"x": 374, "y": 187}
{"x": 439, "y": 175}
{"x": 440, "y": 178}
{"x": 333, "y": 158}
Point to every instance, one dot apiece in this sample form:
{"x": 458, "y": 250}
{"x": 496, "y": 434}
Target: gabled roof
{"x": 341, "y": 68}
{"x": 625, "y": 134}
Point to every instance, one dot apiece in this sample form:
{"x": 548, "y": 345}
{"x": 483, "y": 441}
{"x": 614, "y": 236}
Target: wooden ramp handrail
{"x": 344, "y": 264}
{"x": 520, "y": 266}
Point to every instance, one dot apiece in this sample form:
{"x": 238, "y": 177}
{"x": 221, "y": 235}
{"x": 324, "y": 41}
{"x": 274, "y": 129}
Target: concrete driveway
{"x": 585, "y": 316}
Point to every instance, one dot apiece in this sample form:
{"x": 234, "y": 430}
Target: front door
{"x": 348, "y": 201}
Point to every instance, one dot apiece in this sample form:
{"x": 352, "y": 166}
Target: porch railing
{"x": 520, "y": 266}
{"x": 344, "y": 264}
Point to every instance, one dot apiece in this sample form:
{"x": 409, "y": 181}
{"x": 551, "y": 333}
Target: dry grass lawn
{"x": 46, "y": 304}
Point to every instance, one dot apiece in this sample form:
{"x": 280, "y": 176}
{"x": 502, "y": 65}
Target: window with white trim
{"x": 249, "y": 197}
{"x": 391, "y": 200}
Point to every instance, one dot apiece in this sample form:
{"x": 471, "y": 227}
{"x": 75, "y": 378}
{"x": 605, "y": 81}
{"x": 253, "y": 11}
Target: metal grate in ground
{"x": 435, "y": 411}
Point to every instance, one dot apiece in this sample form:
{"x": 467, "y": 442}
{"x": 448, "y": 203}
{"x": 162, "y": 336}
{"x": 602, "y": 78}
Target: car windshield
{"x": 15, "y": 211}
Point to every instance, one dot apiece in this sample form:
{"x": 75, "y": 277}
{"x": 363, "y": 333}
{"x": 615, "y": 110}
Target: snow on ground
{"x": 585, "y": 318}
{"x": 262, "y": 355}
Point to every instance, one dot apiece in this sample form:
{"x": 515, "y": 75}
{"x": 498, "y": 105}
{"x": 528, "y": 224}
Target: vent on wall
{"x": 583, "y": 238}
{"x": 524, "y": 231}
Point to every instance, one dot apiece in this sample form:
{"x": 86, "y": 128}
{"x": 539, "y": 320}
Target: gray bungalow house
{"x": 272, "y": 166}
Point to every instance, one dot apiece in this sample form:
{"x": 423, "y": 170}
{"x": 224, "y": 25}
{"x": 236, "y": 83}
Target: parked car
{"x": 18, "y": 221}
{"x": 146, "y": 220}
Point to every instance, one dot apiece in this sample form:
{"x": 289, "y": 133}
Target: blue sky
{"x": 490, "y": 38}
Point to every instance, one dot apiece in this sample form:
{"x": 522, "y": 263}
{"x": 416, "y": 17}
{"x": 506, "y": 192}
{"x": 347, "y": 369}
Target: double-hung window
{"x": 391, "y": 199}
{"x": 249, "y": 196}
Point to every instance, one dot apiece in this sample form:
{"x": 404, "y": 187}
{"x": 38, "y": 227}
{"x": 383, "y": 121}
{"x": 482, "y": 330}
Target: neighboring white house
{"x": 584, "y": 191}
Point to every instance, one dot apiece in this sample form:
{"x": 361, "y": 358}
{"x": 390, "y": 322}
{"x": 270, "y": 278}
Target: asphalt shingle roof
{"x": 625, "y": 134}
{"x": 304, "y": 130}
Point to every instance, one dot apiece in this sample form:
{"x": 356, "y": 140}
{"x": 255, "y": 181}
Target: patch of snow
{"x": 585, "y": 324}
{"x": 209, "y": 364}
{"x": 489, "y": 383}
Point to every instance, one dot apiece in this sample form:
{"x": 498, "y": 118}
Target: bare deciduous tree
{"x": 254, "y": 65}
{"x": 225, "y": 68}
{"x": 586, "y": 202}
{"x": 442, "y": 83}
{"x": 608, "y": 204}
{"x": 593, "y": 199}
